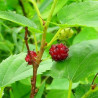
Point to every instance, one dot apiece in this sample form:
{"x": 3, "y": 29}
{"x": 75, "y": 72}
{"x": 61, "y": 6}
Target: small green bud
{"x": 65, "y": 34}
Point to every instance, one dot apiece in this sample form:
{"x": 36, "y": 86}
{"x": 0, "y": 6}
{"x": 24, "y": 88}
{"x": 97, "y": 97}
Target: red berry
{"x": 27, "y": 58}
{"x": 58, "y": 52}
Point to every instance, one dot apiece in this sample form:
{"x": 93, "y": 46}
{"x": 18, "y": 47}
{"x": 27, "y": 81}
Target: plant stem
{"x": 34, "y": 64}
{"x": 54, "y": 38}
{"x": 1, "y": 92}
{"x": 37, "y": 11}
{"x": 43, "y": 42}
{"x": 51, "y": 12}
{"x": 35, "y": 40}
{"x": 33, "y": 81}
{"x": 69, "y": 91}
{"x": 94, "y": 79}
{"x": 89, "y": 92}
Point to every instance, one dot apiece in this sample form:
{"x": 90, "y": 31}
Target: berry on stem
{"x": 27, "y": 58}
{"x": 58, "y": 52}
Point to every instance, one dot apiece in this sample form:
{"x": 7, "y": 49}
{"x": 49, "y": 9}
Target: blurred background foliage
{"x": 12, "y": 42}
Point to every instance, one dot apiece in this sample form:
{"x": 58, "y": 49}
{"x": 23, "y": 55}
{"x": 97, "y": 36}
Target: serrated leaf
{"x": 79, "y": 14}
{"x": 81, "y": 62}
{"x": 15, "y": 68}
{"x": 19, "y": 19}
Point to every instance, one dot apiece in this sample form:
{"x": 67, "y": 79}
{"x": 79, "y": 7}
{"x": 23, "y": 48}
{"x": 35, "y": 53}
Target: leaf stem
{"x": 37, "y": 11}
{"x": 54, "y": 38}
{"x": 89, "y": 92}
{"x": 69, "y": 91}
{"x": 1, "y": 92}
{"x": 35, "y": 40}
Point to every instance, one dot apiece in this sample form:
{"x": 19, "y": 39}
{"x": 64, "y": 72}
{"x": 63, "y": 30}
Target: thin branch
{"x": 94, "y": 78}
{"x": 43, "y": 44}
{"x": 34, "y": 64}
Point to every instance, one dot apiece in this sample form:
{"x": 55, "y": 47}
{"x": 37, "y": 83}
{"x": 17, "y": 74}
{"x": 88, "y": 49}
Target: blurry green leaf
{"x": 40, "y": 91}
{"x": 46, "y": 10}
{"x": 82, "y": 89}
{"x": 58, "y": 94}
{"x": 93, "y": 95}
{"x": 86, "y": 34}
{"x": 20, "y": 90}
{"x": 79, "y": 14}
{"x": 63, "y": 84}
{"x": 15, "y": 68}
{"x": 19, "y": 19}
{"x": 6, "y": 46}
{"x": 81, "y": 62}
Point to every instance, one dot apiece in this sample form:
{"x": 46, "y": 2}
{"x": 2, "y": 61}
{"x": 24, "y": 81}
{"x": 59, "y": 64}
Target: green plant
{"x": 35, "y": 25}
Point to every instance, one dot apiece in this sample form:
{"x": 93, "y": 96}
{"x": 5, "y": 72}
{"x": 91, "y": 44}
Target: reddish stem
{"x": 34, "y": 64}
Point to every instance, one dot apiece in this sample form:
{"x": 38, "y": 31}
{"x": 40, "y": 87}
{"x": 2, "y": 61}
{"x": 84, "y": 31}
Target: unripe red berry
{"x": 58, "y": 52}
{"x": 27, "y": 58}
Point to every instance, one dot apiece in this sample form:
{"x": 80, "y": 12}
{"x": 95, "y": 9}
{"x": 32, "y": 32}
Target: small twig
{"x": 26, "y": 42}
{"x": 94, "y": 78}
{"x": 94, "y": 85}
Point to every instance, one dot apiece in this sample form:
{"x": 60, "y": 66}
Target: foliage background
{"x": 53, "y": 78}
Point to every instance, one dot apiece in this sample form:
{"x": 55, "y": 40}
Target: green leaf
{"x": 20, "y": 90}
{"x": 40, "y": 91}
{"x": 63, "y": 84}
{"x": 86, "y": 34}
{"x": 83, "y": 89}
{"x": 46, "y": 10}
{"x": 15, "y": 68}
{"x": 79, "y": 14}
{"x": 81, "y": 62}
{"x": 58, "y": 94}
{"x": 6, "y": 45}
{"x": 19, "y": 19}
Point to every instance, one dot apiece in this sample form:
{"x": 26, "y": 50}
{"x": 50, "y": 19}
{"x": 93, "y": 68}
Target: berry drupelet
{"x": 58, "y": 52}
{"x": 27, "y": 58}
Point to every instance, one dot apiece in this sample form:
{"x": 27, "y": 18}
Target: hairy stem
{"x": 69, "y": 91}
{"x": 34, "y": 64}
{"x": 43, "y": 44}
{"x": 33, "y": 82}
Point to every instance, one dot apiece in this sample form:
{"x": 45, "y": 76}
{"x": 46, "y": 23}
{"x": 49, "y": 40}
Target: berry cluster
{"x": 27, "y": 58}
{"x": 58, "y": 52}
